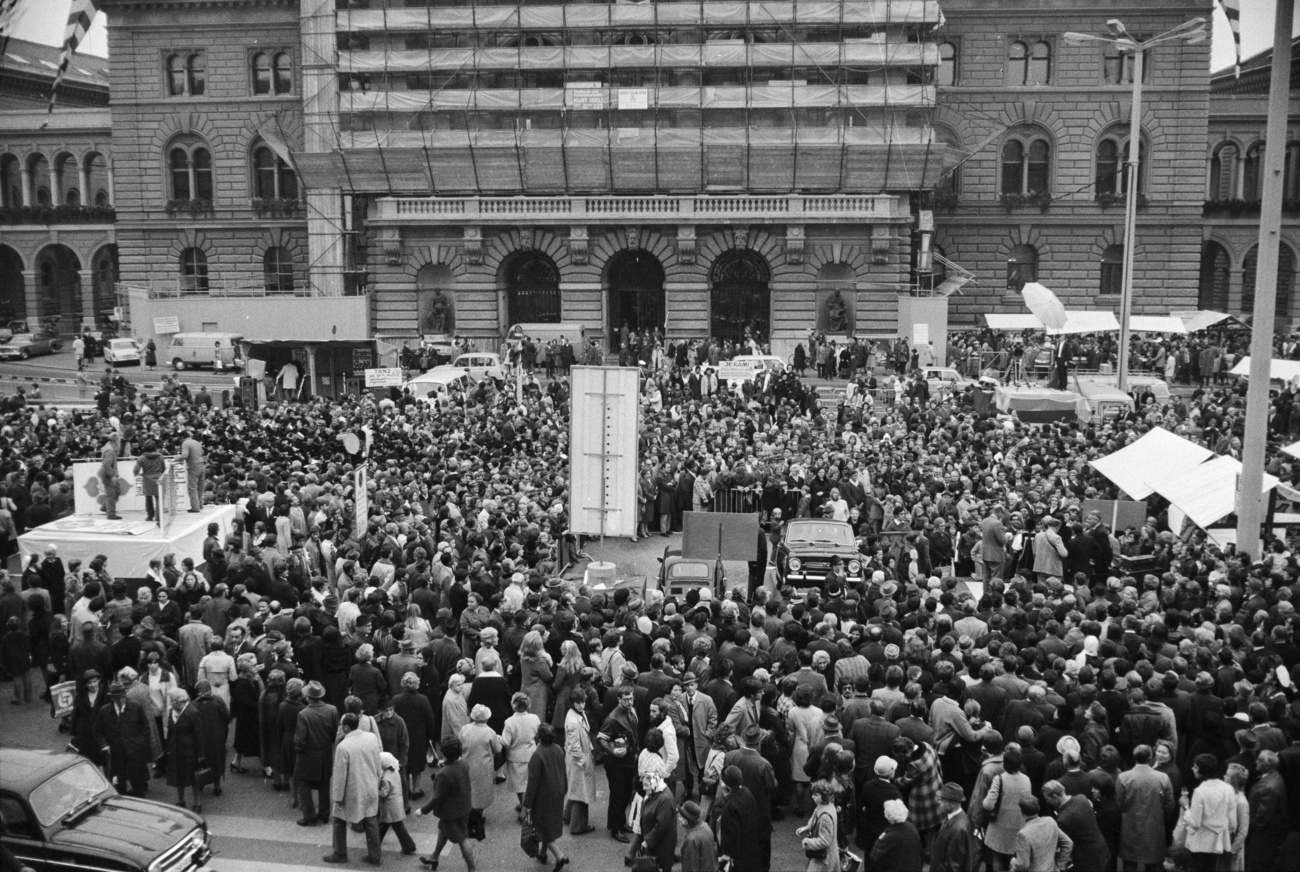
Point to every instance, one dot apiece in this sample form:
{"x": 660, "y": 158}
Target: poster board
{"x": 734, "y": 533}
{"x": 603, "y": 430}
{"x": 1119, "y": 514}
{"x": 63, "y": 697}
{"x": 86, "y": 490}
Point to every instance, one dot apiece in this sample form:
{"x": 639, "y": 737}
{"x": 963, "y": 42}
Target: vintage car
{"x": 678, "y": 574}
{"x": 61, "y": 813}
{"x": 25, "y": 345}
{"x": 480, "y": 365}
{"x": 120, "y": 351}
{"x": 809, "y": 547}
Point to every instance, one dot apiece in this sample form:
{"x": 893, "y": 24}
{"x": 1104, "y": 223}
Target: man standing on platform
{"x": 108, "y": 473}
{"x": 195, "y": 466}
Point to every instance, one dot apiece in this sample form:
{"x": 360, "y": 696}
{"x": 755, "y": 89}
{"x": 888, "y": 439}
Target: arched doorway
{"x": 13, "y": 295}
{"x": 1216, "y": 268}
{"x": 635, "y": 280}
{"x": 740, "y": 298}
{"x": 532, "y": 284}
{"x": 103, "y": 278}
{"x": 1286, "y": 274}
{"x": 58, "y": 277}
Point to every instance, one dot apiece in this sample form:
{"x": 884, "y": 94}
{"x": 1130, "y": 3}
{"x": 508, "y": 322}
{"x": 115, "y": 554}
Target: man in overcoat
{"x": 354, "y": 789}
{"x": 313, "y": 742}
{"x": 122, "y": 731}
{"x": 1145, "y": 798}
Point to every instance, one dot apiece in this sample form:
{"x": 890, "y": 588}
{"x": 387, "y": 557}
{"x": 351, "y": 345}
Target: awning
{"x": 1202, "y": 319}
{"x": 1158, "y": 454}
{"x": 1280, "y": 370}
{"x": 1293, "y": 449}
{"x": 1156, "y": 324}
{"x": 1076, "y": 322}
{"x": 1207, "y": 492}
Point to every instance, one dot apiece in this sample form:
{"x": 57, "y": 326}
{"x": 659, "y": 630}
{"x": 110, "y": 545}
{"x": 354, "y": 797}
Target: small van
{"x": 187, "y": 350}
{"x": 436, "y": 385}
{"x": 543, "y": 333}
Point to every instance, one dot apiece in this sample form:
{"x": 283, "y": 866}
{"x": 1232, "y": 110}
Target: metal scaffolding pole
{"x": 1250, "y": 508}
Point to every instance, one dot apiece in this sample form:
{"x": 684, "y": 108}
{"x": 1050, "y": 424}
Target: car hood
{"x": 137, "y": 828}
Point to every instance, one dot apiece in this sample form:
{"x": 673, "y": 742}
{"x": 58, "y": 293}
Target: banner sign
{"x": 384, "y": 377}
{"x": 361, "y": 497}
{"x": 63, "y": 697}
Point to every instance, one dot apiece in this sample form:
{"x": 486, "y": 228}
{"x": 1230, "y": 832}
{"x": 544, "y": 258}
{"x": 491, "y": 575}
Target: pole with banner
{"x": 361, "y": 490}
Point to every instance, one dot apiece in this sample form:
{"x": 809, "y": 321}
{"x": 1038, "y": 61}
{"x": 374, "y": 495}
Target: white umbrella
{"x": 1044, "y": 304}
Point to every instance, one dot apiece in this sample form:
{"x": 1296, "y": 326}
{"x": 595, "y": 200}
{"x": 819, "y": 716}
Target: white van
{"x": 202, "y": 349}
{"x": 439, "y": 383}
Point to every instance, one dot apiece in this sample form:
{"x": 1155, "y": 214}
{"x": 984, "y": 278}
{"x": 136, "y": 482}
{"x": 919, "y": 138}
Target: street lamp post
{"x": 1188, "y": 31}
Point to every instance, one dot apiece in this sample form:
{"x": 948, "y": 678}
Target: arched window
{"x": 1112, "y": 271}
{"x": 261, "y": 73}
{"x": 194, "y": 270}
{"x": 1252, "y": 173}
{"x": 175, "y": 76}
{"x": 1291, "y": 175}
{"x": 1215, "y": 270}
{"x": 1017, "y": 63}
{"x": 1286, "y": 267}
{"x": 178, "y": 163}
{"x": 740, "y": 297}
{"x": 1040, "y": 64}
{"x": 1223, "y": 172}
{"x": 277, "y": 270}
{"x": 195, "y": 79}
{"x": 272, "y": 177}
{"x": 1022, "y": 267}
{"x": 1026, "y": 163}
{"x": 533, "y": 289}
{"x": 190, "y": 168}
{"x": 1112, "y": 166}
{"x": 947, "y": 63}
{"x": 284, "y": 73}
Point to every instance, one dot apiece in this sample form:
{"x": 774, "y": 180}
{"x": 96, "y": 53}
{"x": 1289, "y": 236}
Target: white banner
{"x": 361, "y": 497}
{"x": 384, "y": 377}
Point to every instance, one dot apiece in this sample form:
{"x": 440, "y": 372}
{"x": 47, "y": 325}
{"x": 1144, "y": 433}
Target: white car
{"x": 120, "y": 351}
{"x": 945, "y": 378}
{"x": 480, "y": 365}
{"x": 746, "y": 367}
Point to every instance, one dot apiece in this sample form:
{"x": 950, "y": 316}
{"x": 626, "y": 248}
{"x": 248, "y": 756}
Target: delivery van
{"x": 187, "y": 350}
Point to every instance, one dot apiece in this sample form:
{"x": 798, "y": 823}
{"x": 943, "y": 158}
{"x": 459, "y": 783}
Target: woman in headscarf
{"x": 184, "y": 743}
{"x": 286, "y": 721}
{"x": 481, "y": 744}
{"x": 392, "y": 810}
{"x": 567, "y": 675}
{"x": 214, "y": 726}
{"x": 455, "y": 710}
{"x": 547, "y": 787}
{"x": 245, "y": 693}
{"x": 520, "y": 740}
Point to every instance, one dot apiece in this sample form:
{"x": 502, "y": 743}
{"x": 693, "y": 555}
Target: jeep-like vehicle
{"x": 809, "y": 546}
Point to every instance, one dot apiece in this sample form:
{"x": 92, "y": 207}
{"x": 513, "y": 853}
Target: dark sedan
{"x": 61, "y": 813}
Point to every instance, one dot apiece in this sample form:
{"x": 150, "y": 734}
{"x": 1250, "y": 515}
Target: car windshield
{"x": 66, "y": 792}
{"x": 688, "y": 570}
{"x": 830, "y": 534}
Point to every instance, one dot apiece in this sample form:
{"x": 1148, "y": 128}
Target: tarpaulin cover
{"x": 1207, "y": 492}
{"x": 1204, "y": 318}
{"x": 1281, "y": 370}
{"x": 1157, "y": 454}
{"x": 1033, "y": 404}
{"x": 1076, "y": 322}
{"x": 1156, "y": 324}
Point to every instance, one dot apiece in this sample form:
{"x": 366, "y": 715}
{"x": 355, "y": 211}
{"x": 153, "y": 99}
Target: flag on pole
{"x": 8, "y": 20}
{"x": 273, "y": 135}
{"x": 1232, "y": 9}
{"x": 80, "y": 17}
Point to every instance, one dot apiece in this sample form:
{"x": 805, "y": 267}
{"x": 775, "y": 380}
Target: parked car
{"x": 809, "y": 547}
{"x": 119, "y": 351}
{"x": 438, "y": 384}
{"x": 678, "y": 574}
{"x": 60, "y": 812}
{"x": 945, "y": 378}
{"x": 480, "y": 365}
{"x": 746, "y": 367}
{"x": 25, "y": 345}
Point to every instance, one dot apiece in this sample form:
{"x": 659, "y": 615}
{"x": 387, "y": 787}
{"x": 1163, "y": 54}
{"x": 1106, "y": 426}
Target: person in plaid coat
{"x": 920, "y": 783}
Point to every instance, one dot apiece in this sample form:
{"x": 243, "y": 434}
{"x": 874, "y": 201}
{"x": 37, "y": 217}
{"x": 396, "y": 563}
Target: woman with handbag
{"x": 482, "y": 748}
{"x": 820, "y": 840}
{"x": 184, "y": 746}
{"x": 544, "y": 800}
{"x": 1002, "y": 818}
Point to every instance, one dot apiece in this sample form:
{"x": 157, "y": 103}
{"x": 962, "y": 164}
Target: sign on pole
{"x": 384, "y": 377}
{"x": 361, "y": 497}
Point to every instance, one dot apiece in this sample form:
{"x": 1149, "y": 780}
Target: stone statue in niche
{"x": 439, "y": 317}
{"x": 837, "y": 314}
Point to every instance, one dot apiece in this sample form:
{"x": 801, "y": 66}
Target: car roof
{"x": 23, "y": 769}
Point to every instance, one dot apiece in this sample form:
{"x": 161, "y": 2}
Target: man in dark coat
{"x": 184, "y": 738}
{"x": 658, "y": 822}
{"x": 1269, "y": 818}
{"x": 736, "y": 821}
{"x": 214, "y": 723}
{"x": 760, "y": 778}
{"x": 450, "y": 801}
{"x": 313, "y": 743}
{"x": 954, "y": 848}
{"x": 898, "y": 849}
{"x": 872, "y": 796}
{"x": 53, "y": 577}
{"x": 1077, "y": 819}
{"x": 122, "y": 731}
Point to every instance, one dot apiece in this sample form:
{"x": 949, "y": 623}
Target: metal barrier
{"x": 735, "y": 499}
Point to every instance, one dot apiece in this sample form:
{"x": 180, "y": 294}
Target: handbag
{"x": 816, "y": 853}
{"x": 983, "y": 815}
{"x": 644, "y": 864}
{"x": 203, "y": 777}
{"x": 499, "y": 758}
{"x": 529, "y": 842}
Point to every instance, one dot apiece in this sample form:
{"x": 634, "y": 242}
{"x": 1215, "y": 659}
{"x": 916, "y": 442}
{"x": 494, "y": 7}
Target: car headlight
{"x": 855, "y": 566}
{"x": 794, "y": 564}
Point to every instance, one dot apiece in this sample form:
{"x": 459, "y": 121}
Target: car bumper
{"x": 11, "y": 355}
{"x": 819, "y": 578}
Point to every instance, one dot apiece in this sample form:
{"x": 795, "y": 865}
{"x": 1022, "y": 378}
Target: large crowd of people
{"x": 1103, "y": 698}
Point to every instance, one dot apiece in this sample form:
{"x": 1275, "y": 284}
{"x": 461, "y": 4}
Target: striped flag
{"x": 8, "y": 20}
{"x": 80, "y": 17}
{"x": 1232, "y": 9}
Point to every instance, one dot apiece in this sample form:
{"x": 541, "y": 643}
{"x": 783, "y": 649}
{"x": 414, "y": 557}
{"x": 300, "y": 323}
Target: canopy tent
{"x": 1207, "y": 492}
{"x": 1202, "y": 319}
{"x": 1156, "y": 324}
{"x": 1279, "y": 370}
{"x": 1293, "y": 449}
{"x": 1159, "y": 452}
{"x": 1076, "y": 322}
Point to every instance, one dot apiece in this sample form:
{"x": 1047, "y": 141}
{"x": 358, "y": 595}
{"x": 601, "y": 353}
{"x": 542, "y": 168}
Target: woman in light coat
{"x": 819, "y": 834}
{"x": 535, "y": 674}
{"x": 519, "y": 737}
{"x": 1236, "y": 777}
{"x": 217, "y": 668}
{"x": 1211, "y": 818}
{"x": 805, "y": 721}
{"x": 455, "y": 710}
{"x": 392, "y": 811}
{"x": 481, "y": 744}
{"x": 1003, "y": 799}
{"x": 579, "y": 765}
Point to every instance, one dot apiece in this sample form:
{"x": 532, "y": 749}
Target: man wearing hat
{"x": 121, "y": 731}
{"x": 737, "y": 821}
{"x": 872, "y": 796}
{"x": 760, "y": 778}
{"x": 698, "y": 850}
{"x": 314, "y": 746}
{"x": 403, "y": 661}
{"x": 955, "y": 848}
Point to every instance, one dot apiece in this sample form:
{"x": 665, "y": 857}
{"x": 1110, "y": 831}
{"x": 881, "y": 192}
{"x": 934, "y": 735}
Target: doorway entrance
{"x": 636, "y": 294}
{"x": 740, "y": 296}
